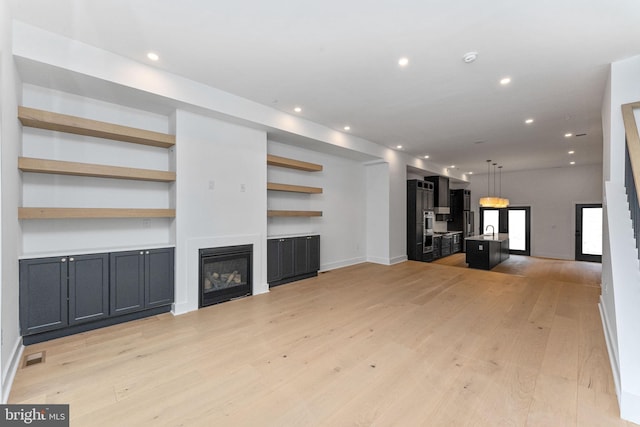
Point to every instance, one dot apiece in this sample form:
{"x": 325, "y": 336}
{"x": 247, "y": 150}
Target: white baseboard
{"x": 630, "y": 407}
{"x": 14, "y": 364}
{"x": 343, "y": 263}
{"x": 399, "y": 259}
{"x": 611, "y": 347}
{"x": 378, "y": 260}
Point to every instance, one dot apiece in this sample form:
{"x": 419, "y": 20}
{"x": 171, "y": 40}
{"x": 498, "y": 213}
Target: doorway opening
{"x": 589, "y": 232}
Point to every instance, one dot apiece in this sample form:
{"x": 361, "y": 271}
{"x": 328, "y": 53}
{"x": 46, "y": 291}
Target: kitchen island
{"x": 485, "y": 251}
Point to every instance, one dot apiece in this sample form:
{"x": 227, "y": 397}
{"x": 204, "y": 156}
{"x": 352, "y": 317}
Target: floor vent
{"x": 33, "y": 359}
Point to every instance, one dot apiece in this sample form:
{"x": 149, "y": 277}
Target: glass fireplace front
{"x": 225, "y": 273}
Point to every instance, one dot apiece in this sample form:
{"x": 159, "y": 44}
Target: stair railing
{"x": 632, "y": 165}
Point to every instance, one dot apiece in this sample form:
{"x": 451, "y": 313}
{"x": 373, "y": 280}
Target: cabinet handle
{"x": 63, "y": 260}
{"x": 70, "y": 259}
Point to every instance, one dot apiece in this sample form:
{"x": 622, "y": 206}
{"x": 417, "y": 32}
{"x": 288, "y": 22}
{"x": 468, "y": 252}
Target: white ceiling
{"x": 338, "y": 60}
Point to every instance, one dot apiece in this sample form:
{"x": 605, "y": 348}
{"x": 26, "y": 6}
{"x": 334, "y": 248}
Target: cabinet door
{"x": 43, "y": 294}
{"x": 88, "y": 287}
{"x": 126, "y": 282}
{"x": 430, "y": 203}
{"x": 158, "y": 277}
{"x": 287, "y": 258}
{"x": 273, "y": 260}
{"x": 467, "y": 200}
{"x": 300, "y": 256}
{"x": 313, "y": 246}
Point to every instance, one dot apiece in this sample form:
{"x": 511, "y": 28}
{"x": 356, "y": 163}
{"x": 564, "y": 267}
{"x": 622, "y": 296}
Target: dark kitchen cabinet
{"x": 61, "y": 291}
{"x": 140, "y": 279}
{"x": 419, "y": 199}
{"x": 440, "y": 190}
{"x": 292, "y": 258}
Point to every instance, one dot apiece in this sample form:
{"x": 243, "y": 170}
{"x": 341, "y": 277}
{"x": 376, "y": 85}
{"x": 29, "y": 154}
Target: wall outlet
{"x": 212, "y": 185}
{"x": 243, "y": 188}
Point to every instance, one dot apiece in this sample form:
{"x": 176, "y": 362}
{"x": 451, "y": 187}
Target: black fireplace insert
{"x": 225, "y": 274}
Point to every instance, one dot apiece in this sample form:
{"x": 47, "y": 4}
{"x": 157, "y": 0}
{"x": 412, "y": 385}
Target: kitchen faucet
{"x": 493, "y": 230}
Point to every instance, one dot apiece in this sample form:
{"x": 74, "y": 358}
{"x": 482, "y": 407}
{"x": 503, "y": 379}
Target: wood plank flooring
{"x": 368, "y": 345}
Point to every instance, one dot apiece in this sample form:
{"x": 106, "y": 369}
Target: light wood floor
{"x": 407, "y": 345}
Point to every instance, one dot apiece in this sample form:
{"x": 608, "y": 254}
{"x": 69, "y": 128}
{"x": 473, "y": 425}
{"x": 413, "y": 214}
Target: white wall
{"x": 377, "y": 208}
{"x": 621, "y": 275}
{"x": 552, "y": 195}
{"x": 214, "y": 161}
{"x": 10, "y": 184}
{"x": 342, "y": 224}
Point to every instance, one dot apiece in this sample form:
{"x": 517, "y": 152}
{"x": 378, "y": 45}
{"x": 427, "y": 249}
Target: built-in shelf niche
{"x": 297, "y": 165}
{"x": 41, "y": 119}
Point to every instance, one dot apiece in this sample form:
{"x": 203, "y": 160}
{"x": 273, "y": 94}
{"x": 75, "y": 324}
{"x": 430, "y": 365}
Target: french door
{"x": 513, "y": 220}
{"x": 589, "y": 232}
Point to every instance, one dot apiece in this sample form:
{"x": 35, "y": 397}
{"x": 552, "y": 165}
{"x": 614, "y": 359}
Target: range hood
{"x": 440, "y": 196}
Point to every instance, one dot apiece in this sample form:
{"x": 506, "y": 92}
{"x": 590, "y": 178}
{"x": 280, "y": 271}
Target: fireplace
{"x": 225, "y": 273}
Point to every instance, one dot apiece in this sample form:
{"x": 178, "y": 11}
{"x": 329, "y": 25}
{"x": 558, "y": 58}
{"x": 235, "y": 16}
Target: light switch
{"x": 243, "y": 188}
{"x": 212, "y": 185}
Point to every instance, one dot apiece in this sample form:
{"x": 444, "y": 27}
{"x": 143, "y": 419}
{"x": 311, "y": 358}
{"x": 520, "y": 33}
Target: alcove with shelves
{"x": 105, "y": 184}
{"x": 299, "y": 165}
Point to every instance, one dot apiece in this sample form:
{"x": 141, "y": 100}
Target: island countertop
{"x": 498, "y": 237}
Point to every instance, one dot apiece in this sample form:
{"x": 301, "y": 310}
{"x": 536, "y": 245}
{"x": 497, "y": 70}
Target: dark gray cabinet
{"x": 60, "y": 296}
{"x": 158, "y": 278}
{"x": 140, "y": 280}
{"x": 293, "y": 258}
{"x": 88, "y": 288}
{"x": 43, "y": 295}
{"x": 280, "y": 261}
{"x": 61, "y": 291}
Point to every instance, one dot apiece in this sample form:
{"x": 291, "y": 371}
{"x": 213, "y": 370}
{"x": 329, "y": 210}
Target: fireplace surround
{"x": 225, "y": 274}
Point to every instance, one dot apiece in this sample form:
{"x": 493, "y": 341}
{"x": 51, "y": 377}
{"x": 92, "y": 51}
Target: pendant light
{"x": 488, "y": 201}
{"x": 491, "y": 201}
{"x": 502, "y": 203}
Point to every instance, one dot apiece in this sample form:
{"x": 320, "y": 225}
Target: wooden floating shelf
{"x": 28, "y": 164}
{"x": 65, "y": 213}
{"x": 293, "y": 188}
{"x": 292, "y": 164}
{"x": 63, "y": 123}
{"x": 294, "y": 213}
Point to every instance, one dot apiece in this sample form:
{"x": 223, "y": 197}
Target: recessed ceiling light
{"x": 399, "y": 147}
{"x": 568, "y": 135}
{"x": 426, "y": 157}
{"x": 452, "y": 166}
{"x": 403, "y": 62}
{"x": 571, "y": 152}
{"x": 572, "y": 163}
{"x": 505, "y": 81}
{"x": 528, "y": 121}
{"x": 297, "y": 109}
{"x": 153, "y": 56}
{"x": 347, "y": 128}
{"x": 469, "y": 173}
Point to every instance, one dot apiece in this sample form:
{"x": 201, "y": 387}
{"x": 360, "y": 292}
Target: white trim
{"x": 611, "y": 348}
{"x": 378, "y": 260}
{"x": 16, "y": 355}
{"x": 630, "y": 407}
{"x": 398, "y": 259}
{"x": 343, "y": 263}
